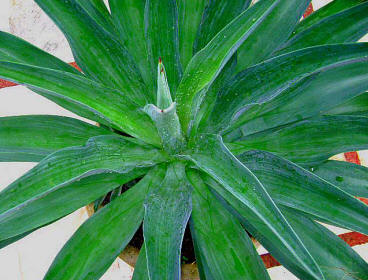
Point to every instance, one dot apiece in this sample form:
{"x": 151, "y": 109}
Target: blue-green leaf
{"x": 167, "y": 210}
{"x": 243, "y": 191}
{"x": 311, "y": 141}
{"x": 289, "y": 185}
{"x": 31, "y": 138}
{"x": 99, "y": 241}
{"x": 101, "y": 154}
{"x": 218, "y": 233}
{"x": 350, "y": 177}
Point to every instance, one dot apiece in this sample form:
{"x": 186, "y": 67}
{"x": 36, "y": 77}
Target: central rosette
{"x": 164, "y": 115}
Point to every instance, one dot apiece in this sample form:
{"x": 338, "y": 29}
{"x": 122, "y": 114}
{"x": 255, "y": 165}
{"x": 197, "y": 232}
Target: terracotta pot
{"x": 130, "y": 256}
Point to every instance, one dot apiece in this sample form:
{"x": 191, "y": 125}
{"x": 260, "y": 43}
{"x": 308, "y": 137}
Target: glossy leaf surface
{"x": 128, "y": 16}
{"x": 218, "y": 233}
{"x": 289, "y": 185}
{"x": 101, "y": 154}
{"x": 311, "y": 96}
{"x": 330, "y": 9}
{"x": 272, "y": 32}
{"x": 309, "y": 142}
{"x": 206, "y": 65}
{"x": 103, "y": 236}
{"x": 335, "y": 258}
{"x": 350, "y": 177}
{"x": 355, "y": 106}
{"x": 117, "y": 108}
{"x": 347, "y": 26}
{"x": 51, "y": 206}
{"x": 90, "y": 43}
{"x": 31, "y": 138}
{"x": 243, "y": 191}
{"x": 190, "y": 16}
{"x": 167, "y": 210}
{"x": 265, "y": 81}
{"x": 162, "y": 34}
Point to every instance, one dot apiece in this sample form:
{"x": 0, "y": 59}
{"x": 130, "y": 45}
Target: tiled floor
{"x": 29, "y": 258}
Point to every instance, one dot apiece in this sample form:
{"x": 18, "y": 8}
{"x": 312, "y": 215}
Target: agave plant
{"x": 231, "y": 140}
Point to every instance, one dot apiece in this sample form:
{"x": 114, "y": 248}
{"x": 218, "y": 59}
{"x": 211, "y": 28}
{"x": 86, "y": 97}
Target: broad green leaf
{"x": 311, "y": 141}
{"x": 201, "y": 119}
{"x": 243, "y": 191}
{"x": 97, "y": 10}
{"x": 14, "y": 49}
{"x": 140, "y": 268}
{"x": 272, "y": 33}
{"x": 355, "y": 106}
{"x": 335, "y": 258}
{"x": 261, "y": 83}
{"x": 162, "y": 35}
{"x": 218, "y": 233}
{"x": 190, "y": 16}
{"x": 207, "y": 64}
{"x": 350, "y": 177}
{"x": 167, "y": 210}
{"x": 99, "y": 241}
{"x": 216, "y": 15}
{"x": 347, "y": 26}
{"x": 114, "y": 106}
{"x": 31, "y": 138}
{"x": 330, "y": 9}
{"x": 101, "y": 154}
{"x": 311, "y": 96}
{"x": 289, "y": 185}
{"x": 96, "y": 51}
{"x": 52, "y": 205}
{"x": 128, "y": 16}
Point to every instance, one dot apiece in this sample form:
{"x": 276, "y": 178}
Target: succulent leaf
{"x": 285, "y": 95}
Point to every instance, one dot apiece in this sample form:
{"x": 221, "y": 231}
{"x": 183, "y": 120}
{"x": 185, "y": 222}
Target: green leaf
{"x": 31, "y": 138}
{"x": 261, "y": 83}
{"x": 14, "y": 49}
{"x": 335, "y": 258}
{"x": 115, "y": 107}
{"x": 350, "y": 177}
{"x": 97, "y": 10}
{"x": 140, "y": 268}
{"x": 207, "y": 64}
{"x": 51, "y": 205}
{"x": 311, "y": 141}
{"x": 101, "y": 154}
{"x": 190, "y": 15}
{"x": 128, "y": 16}
{"x": 216, "y": 16}
{"x": 330, "y": 9}
{"x": 355, "y": 106}
{"x": 278, "y": 25}
{"x": 167, "y": 210}
{"x": 347, "y": 26}
{"x": 162, "y": 35}
{"x": 168, "y": 126}
{"x": 311, "y": 96}
{"x": 289, "y": 185}
{"x": 102, "y": 237}
{"x": 243, "y": 191}
{"x": 96, "y": 51}
{"x": 201, "y": 122}
{"x": 218, "y": 233}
